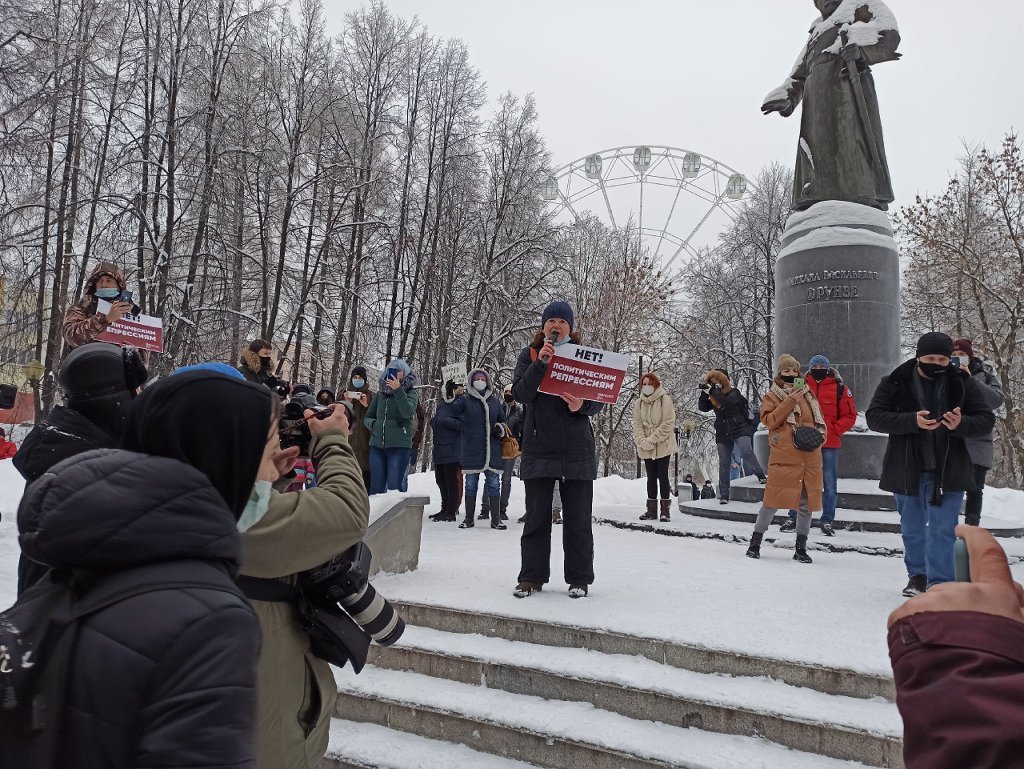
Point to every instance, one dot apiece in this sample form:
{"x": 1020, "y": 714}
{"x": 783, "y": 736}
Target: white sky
{"x": 692, "y": 74}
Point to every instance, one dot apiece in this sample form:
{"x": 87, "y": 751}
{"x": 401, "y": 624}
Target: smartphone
{"x": 352, "y": 395}
{"x": 955, "y": 361}
{"x": 799, "y": 382}
{"x": 126, "y": 296}
{"x": 392, "y": 373}
{"x": 961, "y": 561}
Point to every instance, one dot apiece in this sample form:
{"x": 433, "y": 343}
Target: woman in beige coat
{"x": 654, "y": 431}
{"x": 792, "y": 473}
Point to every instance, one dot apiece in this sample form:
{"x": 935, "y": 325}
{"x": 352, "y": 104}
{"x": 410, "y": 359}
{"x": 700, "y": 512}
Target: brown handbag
{"x": 510, "y": 447}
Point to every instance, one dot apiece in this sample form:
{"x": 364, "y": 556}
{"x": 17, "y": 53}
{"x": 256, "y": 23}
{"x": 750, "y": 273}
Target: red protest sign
{"x": 585, "y": 372}
{"x": 143, "y": 331}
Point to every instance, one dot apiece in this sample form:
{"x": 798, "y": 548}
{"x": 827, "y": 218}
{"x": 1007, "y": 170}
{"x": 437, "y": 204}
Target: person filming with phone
{"x": 389, "y": 419}
{"x": 928, "y": 411}
{"x": 82, "y": 324}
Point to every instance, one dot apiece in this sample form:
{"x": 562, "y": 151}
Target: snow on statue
{"x": 840, "y": 155}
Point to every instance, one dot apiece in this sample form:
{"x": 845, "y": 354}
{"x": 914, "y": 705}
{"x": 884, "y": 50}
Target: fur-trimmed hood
{"x": 479, "y": 395}
{"x": 104, "y": 268}
{"x": 716, "y": 376}
{"x": 250, "y": 360}
{"x": 409, "y": 381}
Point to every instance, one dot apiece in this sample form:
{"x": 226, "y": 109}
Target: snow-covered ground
{"x": 690, "y": 590}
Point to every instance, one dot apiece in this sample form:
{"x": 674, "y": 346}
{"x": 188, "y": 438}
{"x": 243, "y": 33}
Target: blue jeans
{"x": 830, "y": 471}
{"x": 929, "y": 531}
{"x": 387, "y": 469}
{"x": 492, "y": 484}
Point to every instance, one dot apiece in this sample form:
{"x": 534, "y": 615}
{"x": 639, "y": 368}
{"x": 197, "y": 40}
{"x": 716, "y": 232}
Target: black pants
{"x": 577, "y": 531}
{"x": 657, "y": 474}
{"x": 449, "y": 481}
{"x": 972, "y": 507}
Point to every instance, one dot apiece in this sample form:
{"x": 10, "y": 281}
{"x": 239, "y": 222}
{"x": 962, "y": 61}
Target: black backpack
{"x": 38, "y": 635}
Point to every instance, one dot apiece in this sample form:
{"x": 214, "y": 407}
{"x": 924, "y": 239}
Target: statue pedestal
{"x": 837, "y": 292}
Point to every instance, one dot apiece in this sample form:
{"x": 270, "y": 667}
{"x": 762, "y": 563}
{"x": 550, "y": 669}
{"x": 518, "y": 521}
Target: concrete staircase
{"x": 482, "y": 690}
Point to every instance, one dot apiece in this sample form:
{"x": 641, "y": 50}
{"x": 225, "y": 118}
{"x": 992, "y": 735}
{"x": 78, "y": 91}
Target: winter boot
{"x": 788, "y": 525}
{"x": 504, "y": 515}
{"x": 578, "y": 591}
{"x": 485, "y": 510}
{"x": 652, "y": 511}
{"x": 754, "y": 551}
{"x": 526, "y": 589}
{"x": 556, "y": 515}
{"x": 495, "y": 508}
{"x": 827, "y": 529}
{"x": 442, "y": 516}
{"x": 469, "y": 523}
{"x": 972, "y": 520}
{"x": 801, "y": 549}
{"x": 521, "y": 519}
{"x": 666, "y": 510}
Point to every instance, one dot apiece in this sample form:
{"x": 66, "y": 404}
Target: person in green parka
{"x": 390, "y": 422}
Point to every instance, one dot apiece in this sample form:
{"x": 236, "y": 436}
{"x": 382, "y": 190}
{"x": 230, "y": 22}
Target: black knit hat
{"x": 358, "y": 370}
{"x": 558, "y": 310}
{"x": 935, "y": 343}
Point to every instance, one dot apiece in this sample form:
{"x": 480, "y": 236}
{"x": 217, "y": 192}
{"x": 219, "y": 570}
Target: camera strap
{"x": 272, "y": 590}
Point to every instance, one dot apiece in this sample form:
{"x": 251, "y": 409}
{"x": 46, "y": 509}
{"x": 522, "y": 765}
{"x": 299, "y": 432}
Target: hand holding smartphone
{"x": 799, "y": 382}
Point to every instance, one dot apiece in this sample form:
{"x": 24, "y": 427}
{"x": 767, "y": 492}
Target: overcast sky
{"x": 693, "y": 73}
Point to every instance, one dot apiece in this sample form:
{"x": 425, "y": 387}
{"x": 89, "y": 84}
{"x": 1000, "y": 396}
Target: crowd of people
{"x": 216, "y": 521}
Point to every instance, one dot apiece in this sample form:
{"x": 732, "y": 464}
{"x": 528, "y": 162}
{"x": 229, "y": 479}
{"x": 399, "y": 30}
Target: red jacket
{"x": 7, "y": 449}
{"x": 960, "y": 689}
{"x": 840, "y": 412}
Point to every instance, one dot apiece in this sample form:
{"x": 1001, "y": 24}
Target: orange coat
{"x": 790, "y": 470}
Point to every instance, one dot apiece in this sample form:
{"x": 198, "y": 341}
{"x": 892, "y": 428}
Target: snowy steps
{"x": 567, "y": 704}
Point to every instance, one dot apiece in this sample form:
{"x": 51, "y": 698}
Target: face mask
{"x": 358, "y": 383}
{"x": 479, "y": 385}
{"x": 510, "y": 398}
{"x": 647, "y": 390}
{"x": 256, "y": 507}
{"x": 560, "y": 342}
{"x": 932, "y": 370}
{"x": 264, "y": 362}
{"x": 108, "y": 293}
{"x": 818, "y": 374}
{"x": 788, "y": 378}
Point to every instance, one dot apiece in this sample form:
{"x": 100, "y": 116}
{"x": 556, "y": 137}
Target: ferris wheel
{"x": 676, "y": 200}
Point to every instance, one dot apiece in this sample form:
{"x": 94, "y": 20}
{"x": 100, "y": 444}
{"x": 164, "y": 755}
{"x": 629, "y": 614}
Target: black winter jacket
{"x": 166, "y": 678}
{"x": 514, "y": 419}
{"x": 556, "y": 442}
{"x": 447, "y": 427}
{"x": 893, "y": 410}
{"x": 732, "y": 420}
{"x": 64, "y": 434}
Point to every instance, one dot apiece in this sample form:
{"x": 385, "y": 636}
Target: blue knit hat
{"x": 214, "y": 366}
{"x": 558, "y": 310}
{"x": 820, "y": 360}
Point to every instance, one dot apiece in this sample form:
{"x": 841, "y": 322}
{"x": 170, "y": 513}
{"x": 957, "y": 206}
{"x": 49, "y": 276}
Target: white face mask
{"x": 647, "y": 390}
{"x": 256, "y": 507}
{"x": 479, "y": 385}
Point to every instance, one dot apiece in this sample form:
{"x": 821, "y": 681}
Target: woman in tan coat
{"x": 792, "y": 472}
{"x": 654, "y": 431}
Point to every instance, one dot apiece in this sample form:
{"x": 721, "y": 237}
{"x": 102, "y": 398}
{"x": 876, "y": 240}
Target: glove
{"x": 498, "y": 431}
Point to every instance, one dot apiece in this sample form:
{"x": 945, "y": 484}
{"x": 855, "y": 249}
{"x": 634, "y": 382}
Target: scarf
{"x": 819, "y": 419}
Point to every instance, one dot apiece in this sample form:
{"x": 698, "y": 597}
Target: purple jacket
{"x": 960, "y": 689}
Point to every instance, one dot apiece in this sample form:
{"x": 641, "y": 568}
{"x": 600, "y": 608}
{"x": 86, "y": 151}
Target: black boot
{"x": 972, "y": 520}
{"x": 754, "y": 551}
{"x": 495, "y": 508}
{"x": 485, "y": 511}
{"x": 801, "y": 549}
{"x": 469, "y": 523}
{"x": 652, "y": 511}
{"x": 666, "y": 510}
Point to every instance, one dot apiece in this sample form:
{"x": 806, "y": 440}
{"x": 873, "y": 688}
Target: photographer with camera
{"x": 732, "y": 426}
{"x": 301, "y": 531}
{"x": 256, "y": 365}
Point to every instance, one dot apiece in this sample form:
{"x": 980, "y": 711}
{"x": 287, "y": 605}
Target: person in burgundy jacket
{"x": 840, "y": 412}
{"x": 957, "y": 656}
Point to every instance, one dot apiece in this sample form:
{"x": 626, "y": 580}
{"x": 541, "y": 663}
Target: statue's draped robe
{"x": 834, "y": 160}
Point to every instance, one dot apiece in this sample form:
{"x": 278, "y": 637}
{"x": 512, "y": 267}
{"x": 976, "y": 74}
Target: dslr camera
{"x": 345, "y": 580}
{"x": 293, "y": 428}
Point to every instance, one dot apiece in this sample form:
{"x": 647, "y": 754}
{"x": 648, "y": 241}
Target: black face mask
{"x": 932, "y": 370}
{"x": 510, "y": 398}
{"x": 788, "y": 378}
{"x": 264, "y": 362}
{"x": 818, "y": 374}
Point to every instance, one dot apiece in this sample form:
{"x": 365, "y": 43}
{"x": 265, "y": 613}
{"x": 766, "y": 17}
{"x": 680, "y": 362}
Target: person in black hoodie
{"x": 164, "y": 677}
{"x": 99, "y": 382}
{"x": 558, "y": 446}
{"x": 732, "y": 426}
{"x": 928, "y": 410}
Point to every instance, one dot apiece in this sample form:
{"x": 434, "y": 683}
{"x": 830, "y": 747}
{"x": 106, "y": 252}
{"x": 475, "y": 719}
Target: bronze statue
{"x": 841, "y": 155}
